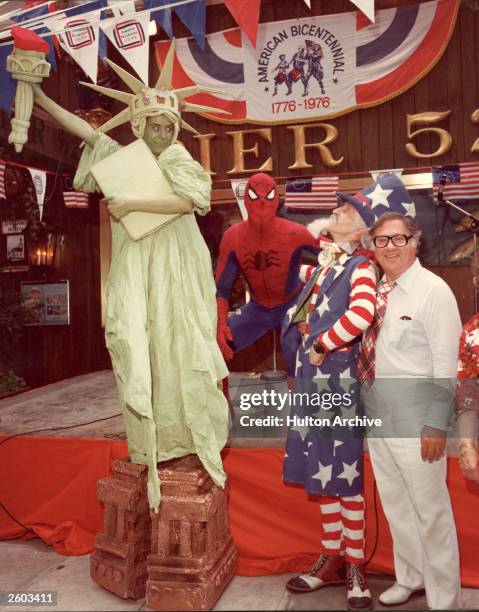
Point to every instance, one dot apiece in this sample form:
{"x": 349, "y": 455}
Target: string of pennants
{"x": 319, "y": 192}
{"x": 306, "y": 193}
{"x": 82, "y": 30}
{"x": 71, "y": 197}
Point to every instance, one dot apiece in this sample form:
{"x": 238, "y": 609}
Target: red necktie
{"x": 367, "y": 358}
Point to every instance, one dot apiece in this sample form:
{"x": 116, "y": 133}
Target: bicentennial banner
{"x": 315, "y": 67}
{"x": 303, "y": 68}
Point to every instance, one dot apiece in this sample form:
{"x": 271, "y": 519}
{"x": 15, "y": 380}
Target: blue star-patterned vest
{"x": 332, "y": 302}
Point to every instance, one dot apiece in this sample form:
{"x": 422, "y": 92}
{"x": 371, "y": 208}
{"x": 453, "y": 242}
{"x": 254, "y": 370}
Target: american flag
{"x": 2, "y": 180}
{"x": 313, "y": 192}
{"x": 462, "y": 181}
{"x": 72, "y": 198}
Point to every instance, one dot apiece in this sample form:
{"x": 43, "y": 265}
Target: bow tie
{"x": 329, "y": 253}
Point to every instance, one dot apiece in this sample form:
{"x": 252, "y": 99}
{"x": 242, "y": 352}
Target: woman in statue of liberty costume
{"x": 161, "y": 310}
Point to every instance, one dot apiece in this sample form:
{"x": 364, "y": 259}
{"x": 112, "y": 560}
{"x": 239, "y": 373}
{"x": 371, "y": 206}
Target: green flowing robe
{"x": 161, "y": 328}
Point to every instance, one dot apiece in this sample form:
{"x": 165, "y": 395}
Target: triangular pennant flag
{"x": 377, "y": 174}
{"x": 193, "y": 16}
{"x": 39, "y": 179}
{"x": 7, "y": 83}
{"x": 246, "y": 14}
{"x": 89, "y": 7}
{"x": 161, "y": 16}
{"x": 238, "y": 186}
{"x": 3, "y": 167}
{"x": 308, "y": 3}
{"x": 366, "y": 7}
{"x": 102, "y": 45}
{"x": 122, "y": 8}
{"x": 129, "y": 34}
{"x": 81, "y": 43}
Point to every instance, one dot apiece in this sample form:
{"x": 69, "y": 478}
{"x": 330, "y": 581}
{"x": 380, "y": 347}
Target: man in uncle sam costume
{"x": 324, "y": 452}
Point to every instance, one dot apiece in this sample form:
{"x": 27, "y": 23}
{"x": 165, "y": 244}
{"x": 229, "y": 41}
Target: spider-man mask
{"x": 261, "y": 200}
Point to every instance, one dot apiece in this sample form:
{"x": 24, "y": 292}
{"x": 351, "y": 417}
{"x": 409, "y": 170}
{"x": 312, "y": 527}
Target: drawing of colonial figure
{"x": 297, "y": 61}
{"x": 281, "y": 76}
{"x": 314, "y": 55}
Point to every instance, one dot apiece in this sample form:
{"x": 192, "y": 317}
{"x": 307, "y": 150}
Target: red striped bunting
{"x": 2, "y": 180}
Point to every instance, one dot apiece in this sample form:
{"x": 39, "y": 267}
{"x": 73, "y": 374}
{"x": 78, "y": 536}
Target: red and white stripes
{"x": 2, "y": 180}
{"x": 343, "y": 526}
{"x": 305, "y": 273}
{"x": 360, "y": 313}
{"x": 332, "y": 525}
{"x": 352, "y": 512}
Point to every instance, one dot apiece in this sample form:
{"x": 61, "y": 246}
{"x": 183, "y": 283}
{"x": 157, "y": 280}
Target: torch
{"x": 27, "y": 64}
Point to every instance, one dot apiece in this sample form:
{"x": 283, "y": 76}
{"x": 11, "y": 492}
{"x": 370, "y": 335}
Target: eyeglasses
{"x": 398, "y": 240}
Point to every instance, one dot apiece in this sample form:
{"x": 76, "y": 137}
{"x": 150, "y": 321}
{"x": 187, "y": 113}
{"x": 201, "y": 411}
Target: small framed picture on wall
{"x": 46, "y": 303}
{"x": 15, "y": 250}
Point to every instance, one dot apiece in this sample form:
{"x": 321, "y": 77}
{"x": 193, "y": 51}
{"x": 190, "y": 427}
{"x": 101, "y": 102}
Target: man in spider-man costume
{"x": 267, "y": 250}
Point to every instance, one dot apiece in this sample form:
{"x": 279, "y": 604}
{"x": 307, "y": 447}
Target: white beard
{"x": 319, "y": 226}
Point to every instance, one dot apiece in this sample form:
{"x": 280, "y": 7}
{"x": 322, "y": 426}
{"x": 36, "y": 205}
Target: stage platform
{"x": 87, "y": 407}
{"x": 59, "y": 440}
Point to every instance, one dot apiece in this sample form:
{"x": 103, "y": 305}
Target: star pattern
{"x": 349, "y": 472}
{"x": 337, "y": 271}
{"x": 323, "y": 474}
{"x": 328, "y": 464}
{"x": 298, "y": 364}
{"x": 319, "y": 376}
{"x": 303, "y": 430}
{"x": 347, "y": 412}
{"x": 291, "y": 311}
{"x": 410, "y": 208}
{"x": 323, "y": 414}
{"x": 379, "y": 196}
{"x": 324, "y": 306}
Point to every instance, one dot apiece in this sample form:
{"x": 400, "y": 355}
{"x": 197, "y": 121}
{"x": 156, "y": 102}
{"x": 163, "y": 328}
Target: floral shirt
{"x": 468, "y": 367}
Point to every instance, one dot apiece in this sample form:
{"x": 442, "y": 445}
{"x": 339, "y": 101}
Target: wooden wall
{"x": 374, "y": 137}
{"x": 52, "y": 353}
{"x": 368, "y": 139}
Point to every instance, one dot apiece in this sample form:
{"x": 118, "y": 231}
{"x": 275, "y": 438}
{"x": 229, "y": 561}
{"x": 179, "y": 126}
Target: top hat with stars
{"x": 387, "y": 194}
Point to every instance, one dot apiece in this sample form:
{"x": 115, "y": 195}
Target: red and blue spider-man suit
{"x": 267, "y": 250}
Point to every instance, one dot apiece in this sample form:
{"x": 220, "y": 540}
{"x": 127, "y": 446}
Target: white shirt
{"x": 421, "y": 328}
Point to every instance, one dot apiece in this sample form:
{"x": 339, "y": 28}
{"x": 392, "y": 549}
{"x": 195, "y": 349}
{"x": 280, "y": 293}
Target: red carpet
{"x": 49, "y": 484}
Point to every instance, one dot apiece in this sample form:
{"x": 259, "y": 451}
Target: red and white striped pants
{"x": 343, "y": 527}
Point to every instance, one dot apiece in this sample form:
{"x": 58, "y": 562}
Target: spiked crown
{"x": 145, "y": 101}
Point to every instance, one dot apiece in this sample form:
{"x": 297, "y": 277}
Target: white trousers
{"x": 417, "y": 506}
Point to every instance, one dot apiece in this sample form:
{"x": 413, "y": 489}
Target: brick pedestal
{"x": 192, "y": 553}
{"x": 119, "y": 561}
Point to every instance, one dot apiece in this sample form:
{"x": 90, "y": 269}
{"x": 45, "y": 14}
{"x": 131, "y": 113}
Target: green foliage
{"x": 12, "y": 318}
{"x": 10, "y": 382}
{"x": 32, "y": 213}
{"x": 11, "y": 321}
